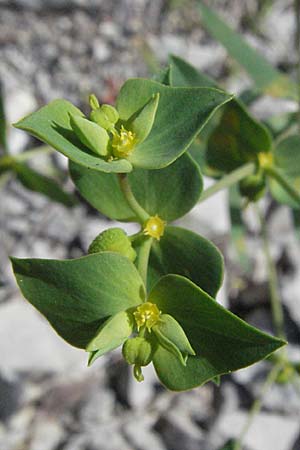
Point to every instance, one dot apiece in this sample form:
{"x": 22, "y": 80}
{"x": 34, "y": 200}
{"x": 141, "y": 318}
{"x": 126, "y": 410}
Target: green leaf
{"x": 237, "y": 139}
{"x": 142, "y": 121}
{"x": 112, "y": 333}
{"x": 170, "y": 192}
{"x": 163, "y": 76}
{"x": 171, "y": 336}
{"x": 280, "y": 123}
{"x": 40, "y": 183}
{"x": 280, "y": 194}
{"x": 181, "y": 114}
{"x": 77, "y": 296}
{"x": 185, "y": 75}
{"x": 51, "y": 124}
{"x": 221, "y": 340}
{"x": 230, "y": 445}
{"x": 296, "y": 222}
{"x": 266, "y": 77}
{"x": 90, "y": 134}
{"x": 287, "y": 162}
{"x": 184, "y": 252}
{"x": 3, "y": 124}
{"x": 287, "y": 155}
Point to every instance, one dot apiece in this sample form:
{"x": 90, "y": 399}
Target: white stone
{"x": 28, "y": 343}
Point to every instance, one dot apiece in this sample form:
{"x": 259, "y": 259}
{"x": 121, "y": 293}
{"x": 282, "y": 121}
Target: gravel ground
{"x": 49, "y": 400}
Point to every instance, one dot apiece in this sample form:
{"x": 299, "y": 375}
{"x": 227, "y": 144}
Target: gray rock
{"x": 281, "y": 434}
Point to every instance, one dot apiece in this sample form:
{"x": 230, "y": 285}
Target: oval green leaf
{"x": 237, "y": 139}
{"x": 184, "y": 74}
{"x": 222, "y": 342}
{"x": 77, "y": 296}
{"x": 184, "y": 252}
{"x": 181, "y": 114}
{"x": 51, "y": 124}
{"x": 170, "y": 192}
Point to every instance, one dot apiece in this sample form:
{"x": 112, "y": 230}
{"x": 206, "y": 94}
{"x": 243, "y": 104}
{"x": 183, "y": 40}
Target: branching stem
{"x": 274, "y": 173}
{"x": 228, "y": 180}
{"x": 276, "y": 305}
{"x": 139, "y": 211}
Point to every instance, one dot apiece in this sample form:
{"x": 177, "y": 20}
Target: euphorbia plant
{"x": 153, "y": 293}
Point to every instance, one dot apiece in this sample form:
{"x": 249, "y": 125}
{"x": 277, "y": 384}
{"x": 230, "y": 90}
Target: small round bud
{"x": 137, "y": 351}
{"x": 113, "y": 240}
{"x": 252, "y": 187}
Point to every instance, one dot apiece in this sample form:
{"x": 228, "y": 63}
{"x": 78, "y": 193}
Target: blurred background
{"x": 49, "y": 399}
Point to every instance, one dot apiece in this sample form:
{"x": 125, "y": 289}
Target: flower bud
{"x": 252, "y": 187}
{"x": 113, "y": 240}
{"x": 137, "y": 351}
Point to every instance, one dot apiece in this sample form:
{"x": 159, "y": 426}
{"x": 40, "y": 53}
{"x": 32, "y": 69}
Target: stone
{"x": 23, "y": 331}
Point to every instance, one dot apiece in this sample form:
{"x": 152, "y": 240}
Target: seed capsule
{"x": 113, "y": 240}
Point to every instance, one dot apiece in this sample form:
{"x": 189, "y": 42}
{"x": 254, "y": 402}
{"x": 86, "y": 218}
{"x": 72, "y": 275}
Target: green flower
{"x": 105, "y": 134}
{"x": 238, "y": 139}
{"x": 150, "y": 126}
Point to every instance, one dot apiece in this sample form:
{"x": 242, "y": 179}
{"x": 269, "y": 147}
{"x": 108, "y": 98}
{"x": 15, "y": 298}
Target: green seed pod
{"x": 93, "y": 101}
{"x": 137, "y": 351}
{"x": 106, "y": 116}
{"x": 113, "y": 240}
{"x": 111, "y": 113}
{"x": 90, "y": 134}
{"x": 253, "y": 187}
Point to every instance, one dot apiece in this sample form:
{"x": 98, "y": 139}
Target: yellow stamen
{"x": 123, "y": 143}
{"x": 265, "y": 159}
{"x": 146, "y": 314}
{"x": 155, "y": 227}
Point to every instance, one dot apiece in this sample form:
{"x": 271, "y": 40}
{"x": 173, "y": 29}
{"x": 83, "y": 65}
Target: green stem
{"x": 28, "y": 154}
{"x": 257, "y": 404}
{"x": 141, "y": 214}
{"x": 143, "y": 258}
{"x": 228, "y": 180}
{"x": 4, "y": 177}
{"x": 276, "y": 305}
{"x": 284, "y": 183}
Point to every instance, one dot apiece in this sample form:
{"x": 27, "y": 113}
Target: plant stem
{"x": 228, "y": 180}
{"x": 284, "y": 183}
{"x": 257, "y": 404}
{"x": 143, "y": 258}
{"x": 140, "y": 213}
{"x": 276, "y": 305}
{"x": 28, "y": 154}
{"x": 4, "y": 177}
{"x": 278, "y": 321}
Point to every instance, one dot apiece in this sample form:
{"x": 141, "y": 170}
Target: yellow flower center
{"x": 265, "y": 159}
{"x": 123, "y": 143}
{"x": 146, "y": 314}
{"x": 155, "y": 227}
